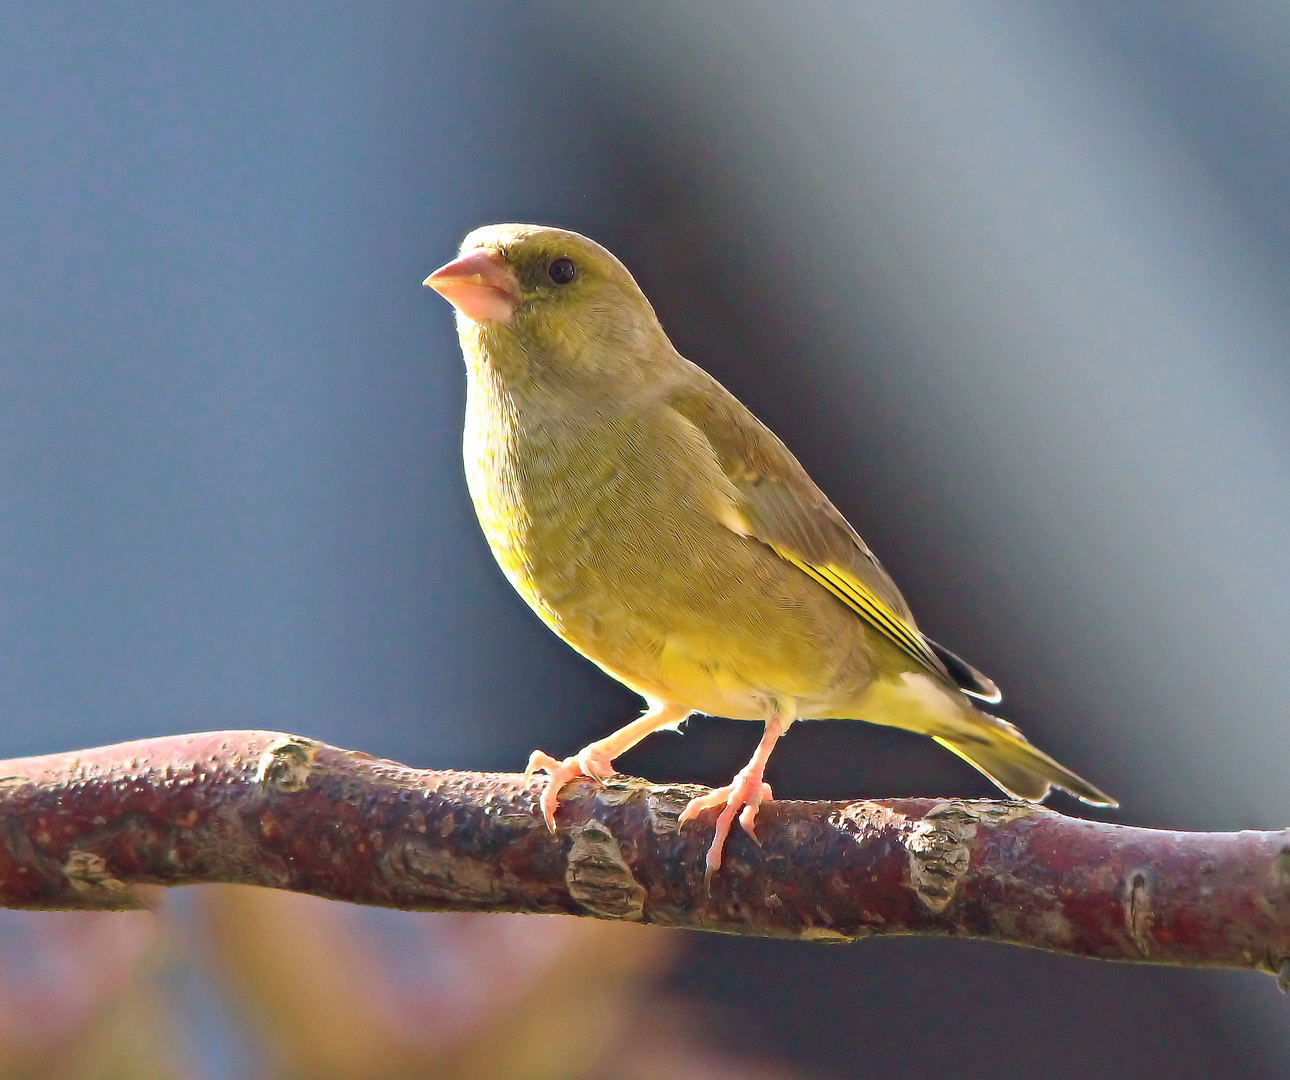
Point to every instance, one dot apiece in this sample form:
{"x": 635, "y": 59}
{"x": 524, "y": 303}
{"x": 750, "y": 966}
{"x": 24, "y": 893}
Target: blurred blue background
{"x": 1011, "y": 279}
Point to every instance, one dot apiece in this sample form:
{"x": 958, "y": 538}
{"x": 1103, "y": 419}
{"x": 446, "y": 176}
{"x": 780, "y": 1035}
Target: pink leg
{"x": 741, "y": 796}
{"x": 596, "y": 759}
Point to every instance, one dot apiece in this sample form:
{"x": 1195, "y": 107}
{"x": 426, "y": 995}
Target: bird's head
{"x": 548, "y": 297}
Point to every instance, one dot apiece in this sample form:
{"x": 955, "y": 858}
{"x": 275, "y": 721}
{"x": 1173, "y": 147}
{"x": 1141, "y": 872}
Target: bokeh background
{"x": 1012, "y": 281}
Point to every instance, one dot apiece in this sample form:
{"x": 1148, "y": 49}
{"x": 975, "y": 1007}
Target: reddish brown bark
{"x": 262, "y": 808}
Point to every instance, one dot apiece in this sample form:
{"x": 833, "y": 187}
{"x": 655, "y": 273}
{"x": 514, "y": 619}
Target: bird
{"x": 666, "y": 534}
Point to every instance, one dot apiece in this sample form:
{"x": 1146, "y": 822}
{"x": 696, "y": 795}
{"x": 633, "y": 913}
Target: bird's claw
{"x": 743, "y": 798}
{"x": 590, "y": 762}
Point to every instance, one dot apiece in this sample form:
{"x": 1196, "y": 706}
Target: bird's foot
{"x": 741, "y": 797}
{"x": 590, "y": 761}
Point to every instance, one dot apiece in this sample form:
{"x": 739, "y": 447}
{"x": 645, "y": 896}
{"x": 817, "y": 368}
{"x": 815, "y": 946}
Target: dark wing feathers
{"x": 965, "y": 676}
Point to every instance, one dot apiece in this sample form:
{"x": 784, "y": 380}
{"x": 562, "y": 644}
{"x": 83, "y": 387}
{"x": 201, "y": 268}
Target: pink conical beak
{"x": 479, "y": 285}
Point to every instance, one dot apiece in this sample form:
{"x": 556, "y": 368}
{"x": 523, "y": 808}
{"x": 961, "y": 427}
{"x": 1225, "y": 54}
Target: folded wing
{"x": 782, "y": 507}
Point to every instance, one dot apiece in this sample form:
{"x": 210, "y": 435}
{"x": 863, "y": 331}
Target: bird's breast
{"x": 546, "y": 490}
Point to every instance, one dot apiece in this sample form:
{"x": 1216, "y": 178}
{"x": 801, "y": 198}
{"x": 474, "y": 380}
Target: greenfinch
{"x": 665, "y": 533}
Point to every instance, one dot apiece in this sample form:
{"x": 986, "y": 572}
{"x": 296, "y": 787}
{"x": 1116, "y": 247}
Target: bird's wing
{"x": 780, "y": 505}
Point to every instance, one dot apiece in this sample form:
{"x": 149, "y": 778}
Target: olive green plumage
{"x": 665, "y": 533}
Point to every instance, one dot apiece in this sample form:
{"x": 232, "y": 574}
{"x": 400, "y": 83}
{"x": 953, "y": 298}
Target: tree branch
{"x": 261, "y": 808}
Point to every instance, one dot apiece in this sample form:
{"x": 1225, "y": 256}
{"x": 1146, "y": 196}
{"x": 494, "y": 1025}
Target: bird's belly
{"x": 657, "y": 630}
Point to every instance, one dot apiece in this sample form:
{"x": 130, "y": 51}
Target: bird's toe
{"x": 539, "y": 761}
{"x": 559, "y": 773}
{"x": 741, "y": 799}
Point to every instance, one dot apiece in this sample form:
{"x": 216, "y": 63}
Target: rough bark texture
{"x": 263, "y": 808}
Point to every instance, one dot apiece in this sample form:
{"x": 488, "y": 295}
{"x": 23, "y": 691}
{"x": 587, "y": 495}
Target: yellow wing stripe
{"x": 887, "y": 619}
{"x": 864, "y": 603}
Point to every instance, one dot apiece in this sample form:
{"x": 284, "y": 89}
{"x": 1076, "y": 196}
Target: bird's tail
{"x": 1000, "y": 751}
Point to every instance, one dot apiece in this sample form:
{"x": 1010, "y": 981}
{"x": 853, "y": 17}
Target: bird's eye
{"x": 562, "y": 271}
